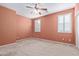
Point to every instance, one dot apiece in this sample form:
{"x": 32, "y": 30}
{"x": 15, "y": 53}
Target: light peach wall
{"x": 49, "y": 28}
{"x": 76, "y": 8}
{"x": 13, "y": 26}
{"x": 24, "y": 27}
{"x": 7, "y": 25}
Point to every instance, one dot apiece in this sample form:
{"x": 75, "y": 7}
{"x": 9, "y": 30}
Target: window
{"x": 37, "y": 25}
{"x": 65, "y": 23}
{"x": 60, "y": 23}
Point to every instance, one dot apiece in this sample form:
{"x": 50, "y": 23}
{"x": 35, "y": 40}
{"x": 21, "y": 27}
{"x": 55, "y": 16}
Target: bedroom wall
{"x": 13, "y": 26}
{"x": 24, "y": 27}
{"x": 76, "y": 8}
{"x": 49, "y": 28}
{"x": 7, "y": 26}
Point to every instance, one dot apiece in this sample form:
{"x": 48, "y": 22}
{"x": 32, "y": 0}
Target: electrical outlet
{"x": 69, "y": 40}
{"x": 63, "y": 39}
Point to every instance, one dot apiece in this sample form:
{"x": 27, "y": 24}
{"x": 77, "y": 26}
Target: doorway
{"x": 77, "y": 30}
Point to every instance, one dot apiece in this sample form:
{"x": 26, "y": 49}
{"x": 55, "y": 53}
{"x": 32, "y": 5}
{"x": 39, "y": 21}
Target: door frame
{"x": 76, "y": 29}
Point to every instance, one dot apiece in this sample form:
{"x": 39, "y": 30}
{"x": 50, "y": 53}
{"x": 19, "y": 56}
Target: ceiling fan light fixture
{"x": 37, "y": 9}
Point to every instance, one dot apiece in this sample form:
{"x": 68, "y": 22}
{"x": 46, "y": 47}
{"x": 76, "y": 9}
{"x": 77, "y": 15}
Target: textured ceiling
{"x": 52, "y": 7}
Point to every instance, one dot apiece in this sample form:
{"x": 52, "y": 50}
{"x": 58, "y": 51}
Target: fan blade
{"x": 28, "y": 7}
{"x": 40, "y": 13}
{"x": 43, "y": 8}
{"x": 35, "y": 6}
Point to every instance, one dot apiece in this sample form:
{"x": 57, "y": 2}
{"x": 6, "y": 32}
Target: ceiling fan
{"x": 38, "y": 9}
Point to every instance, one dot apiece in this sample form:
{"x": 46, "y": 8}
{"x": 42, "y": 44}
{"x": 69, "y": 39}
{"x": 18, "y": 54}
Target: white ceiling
{"x": 52, "y": 8}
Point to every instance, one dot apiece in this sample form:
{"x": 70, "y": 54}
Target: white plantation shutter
{"x": 65, "y": 23}
{"x": 37, "y": 25}
{"x": 68, "y": 23}
{"x": 60, "y": 23}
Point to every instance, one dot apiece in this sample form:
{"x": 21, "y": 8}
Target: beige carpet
{"x": 38, "y": 47}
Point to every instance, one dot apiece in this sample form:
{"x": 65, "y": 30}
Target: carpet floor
{"x": 38, "y": 47}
